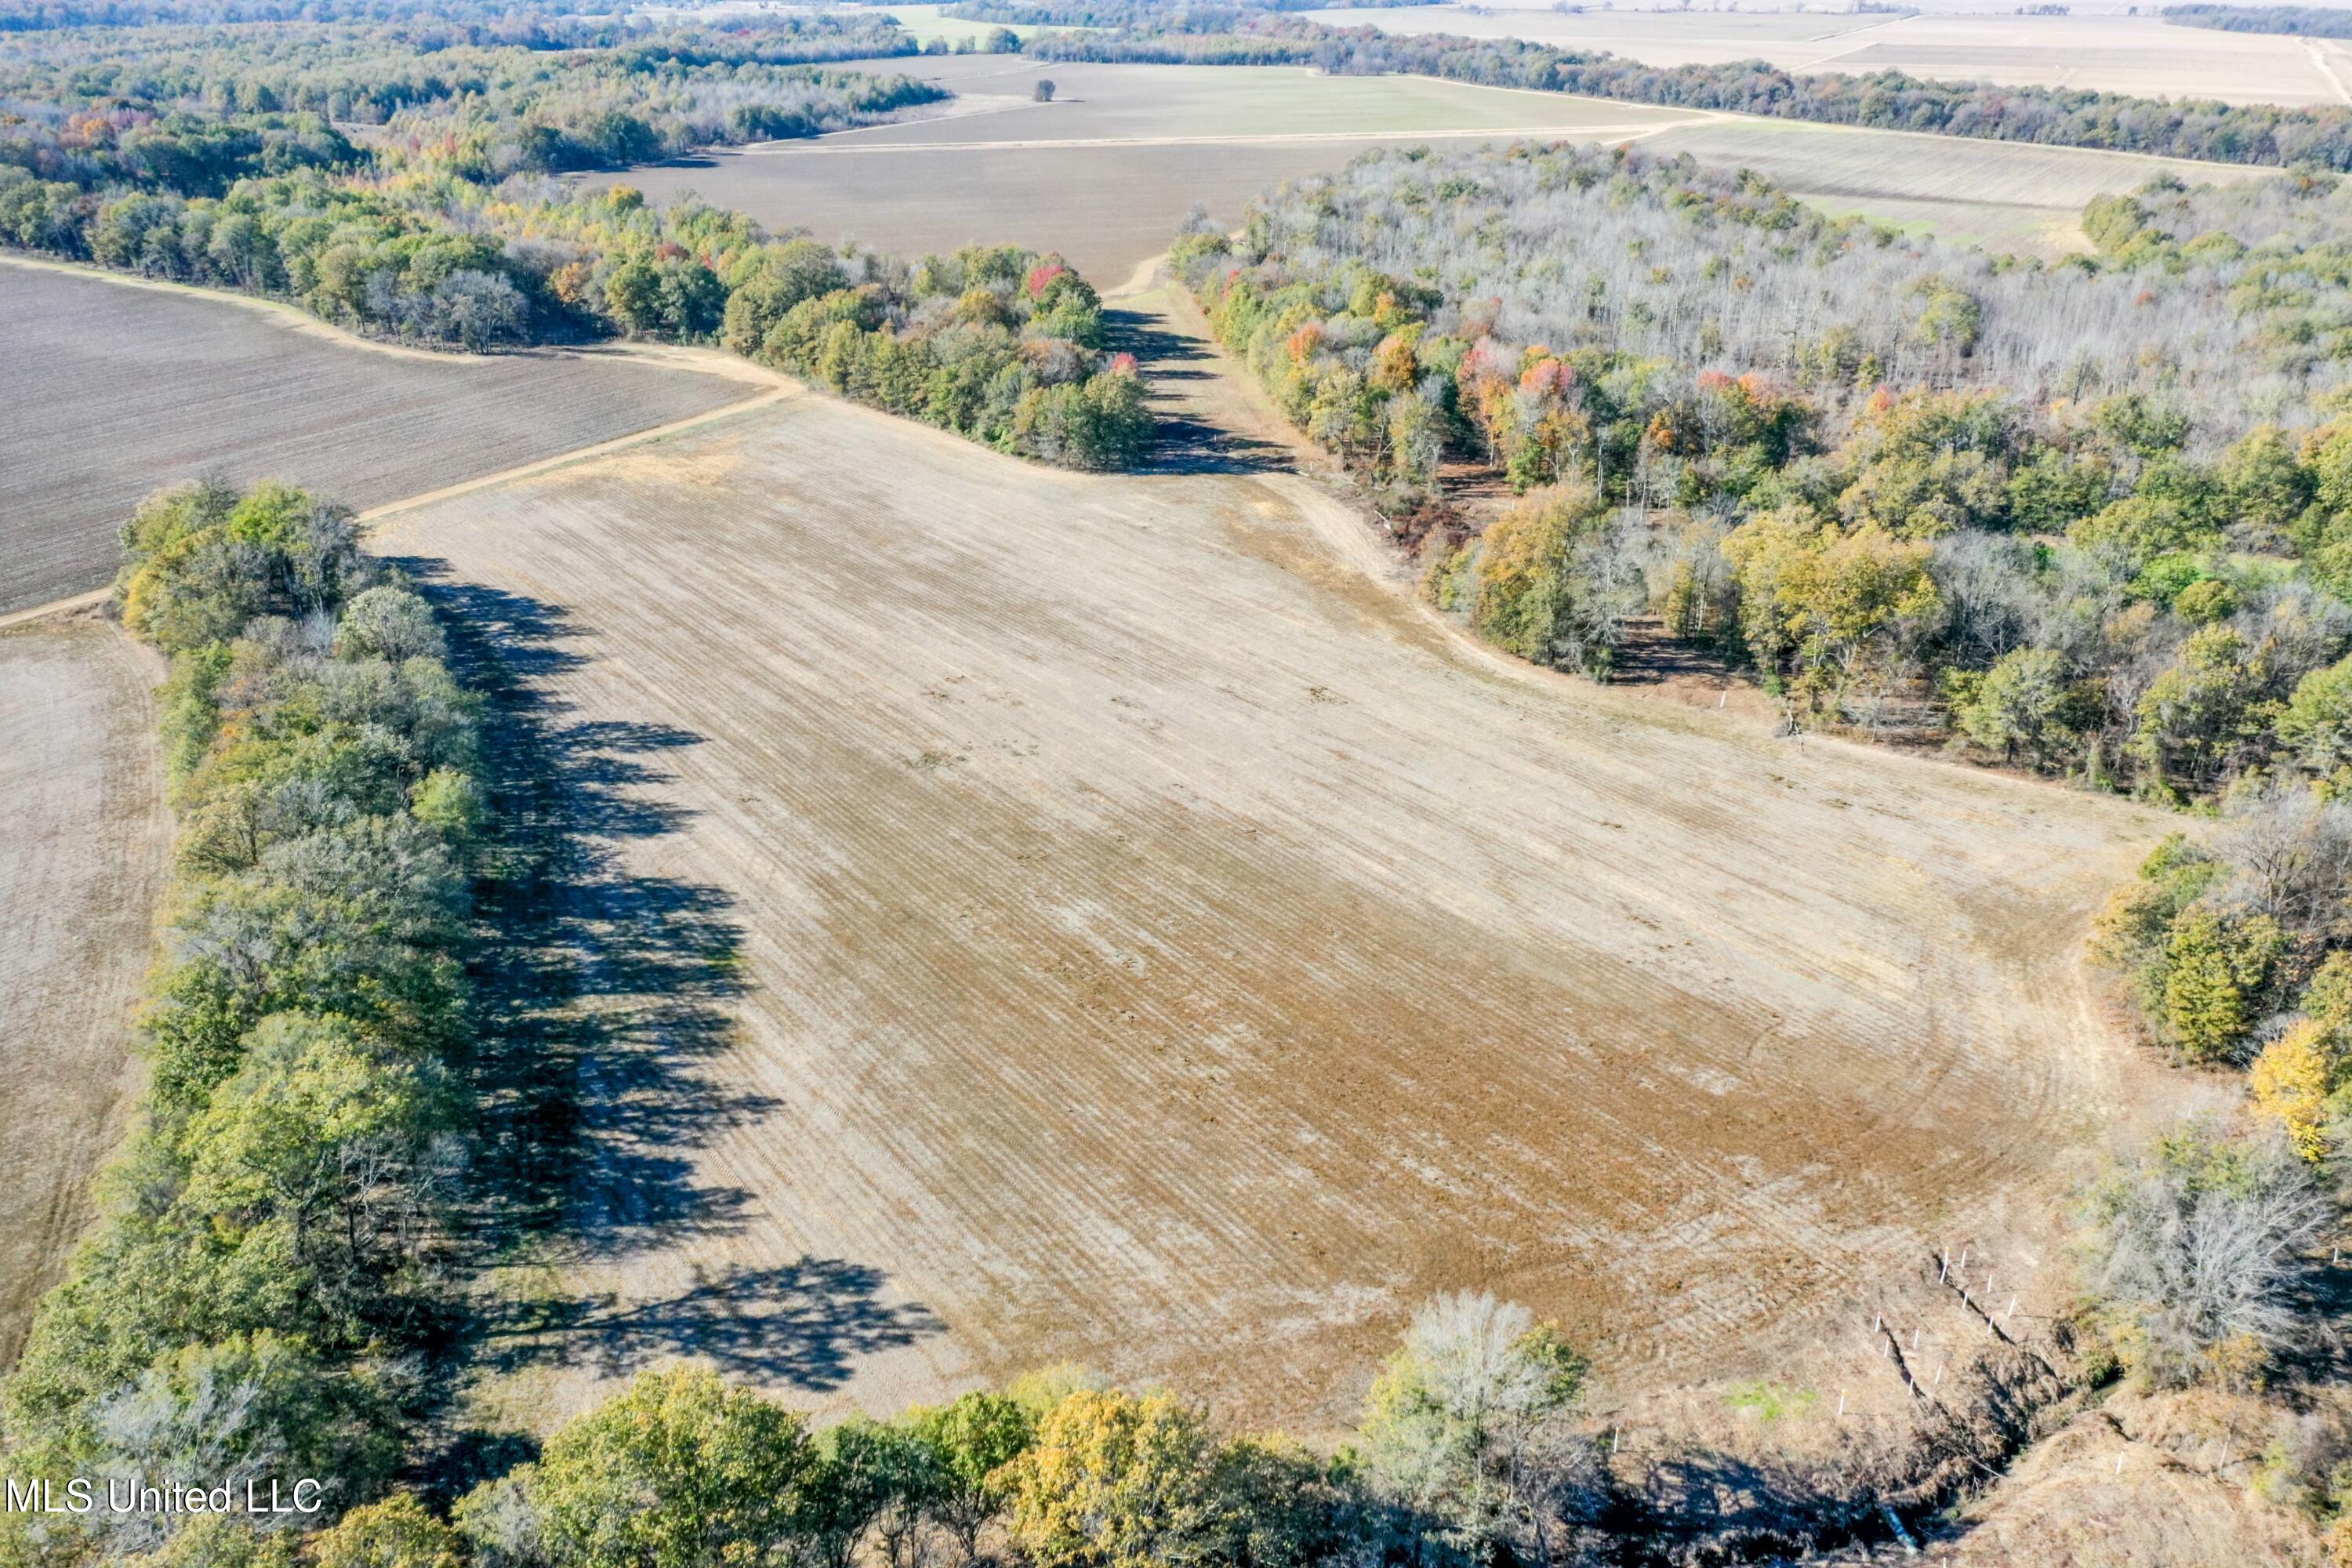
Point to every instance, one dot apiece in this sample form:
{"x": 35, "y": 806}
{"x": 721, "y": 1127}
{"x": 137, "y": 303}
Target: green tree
{"x": 2022, "y": 701}
{"x": 1552, "y": 584}
{"x": 974, "y": 1441}
{"x": 2317, "y": 723}
{"x": 2205, "y": 712}
{"x": 2216, "y": 966}
{"x": 394, "y": 1533}
{"x": 678, "y": 1471}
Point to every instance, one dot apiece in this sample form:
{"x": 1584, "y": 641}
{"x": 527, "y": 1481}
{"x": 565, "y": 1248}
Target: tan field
{"x": 84, "y": 843}
{"x": 1106, "y": 171}
{"x": 2099, "y": 48}
{"x": 1105, "y": 918}
{"x": 116, "y": 389}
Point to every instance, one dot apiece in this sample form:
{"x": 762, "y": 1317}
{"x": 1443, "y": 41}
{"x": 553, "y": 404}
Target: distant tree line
{"x": 2305, "y": 21}
{"x": 179, "y": 155}
{"x": 1173, "y": 16}
{"x": 269, "y": 1264}
{"x": 42, "y": 16}
{"x": 2247, "y": 133}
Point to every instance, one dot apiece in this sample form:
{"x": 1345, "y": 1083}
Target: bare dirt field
{"x": 115, "y": 389}
{"x": 1025, "y": 916}
{"x": 84, "y": 843}
{"x": 2113, "y": 53}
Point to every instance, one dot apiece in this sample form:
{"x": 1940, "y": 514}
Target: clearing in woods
{"x": 1106, "y": 171}
{"x": 116, "y": 389}
{"x": 84, "y": 845}
{"x": 1023, "y": 916}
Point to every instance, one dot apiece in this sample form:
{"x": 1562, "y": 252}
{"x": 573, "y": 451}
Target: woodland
{"x": 2305, "y": 21}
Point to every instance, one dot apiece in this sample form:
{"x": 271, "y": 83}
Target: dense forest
{"x": 1194, "y": 18}
{"x": 2305, "y": 21}
{"x": 2085, "y": 519}
{"x": 1888, "y": 100}
{"x": 221, "y": 157}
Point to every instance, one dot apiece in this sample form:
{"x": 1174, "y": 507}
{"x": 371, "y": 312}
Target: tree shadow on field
{"x": 604, "y": 1003}
{"x": 801, "y": 1324}
{"x": 1178, "y": 373}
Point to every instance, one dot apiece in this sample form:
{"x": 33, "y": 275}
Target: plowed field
{"x": 84, "y": 841}
{"x": 115, "y": 389}
{"x": 1031, "y": 916}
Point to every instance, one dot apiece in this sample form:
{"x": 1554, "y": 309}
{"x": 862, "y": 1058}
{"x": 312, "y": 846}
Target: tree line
{"x": 1891, "y": 100}
{"x": 267, "y": 1267}
{"x": 42, "y": 16}
{"x": 2304, "y": 21}
{"x": 185, "y": 156}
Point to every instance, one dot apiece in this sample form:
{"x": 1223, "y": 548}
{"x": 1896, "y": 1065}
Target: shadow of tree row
{"x": 602, "y": 1002}
{"x": 1174, "y": 364}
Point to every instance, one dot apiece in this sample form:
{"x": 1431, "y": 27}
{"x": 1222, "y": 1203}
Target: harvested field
{"x": 1106, "y": 171}
{"x": 117, "y": 389}
{"x": 1222, "y": 103}
{"x": 2113, "y": 53}
{"x": 84, "y": 845}
{"x": 1028, "y": 916}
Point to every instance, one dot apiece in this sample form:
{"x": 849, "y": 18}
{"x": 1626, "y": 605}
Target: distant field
{"x": 114, "y": 390}
{"x": 1095, "y": 102}
{"x": 1092, "y": 918}
{"x": 2113, "y": 52}
{"x": 1106, "y": 171}
{"x": 84, "y": 839}
{"x": 2006, "y": 196}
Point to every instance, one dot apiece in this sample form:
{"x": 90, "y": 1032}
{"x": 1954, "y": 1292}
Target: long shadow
{"x": 802, "y": 1324}
{"x": 1184, "y": 444}
{"x": 601, "y": 1002}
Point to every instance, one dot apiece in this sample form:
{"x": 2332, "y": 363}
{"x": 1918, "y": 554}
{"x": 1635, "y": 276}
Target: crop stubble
{"x": 1165, "y": 947}
{"x": 84, "y": 842}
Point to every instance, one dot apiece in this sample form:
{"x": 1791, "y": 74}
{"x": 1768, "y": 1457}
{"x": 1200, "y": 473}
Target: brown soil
{"x": 1029, "y": 915}
{"x": 84, "y": 845}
